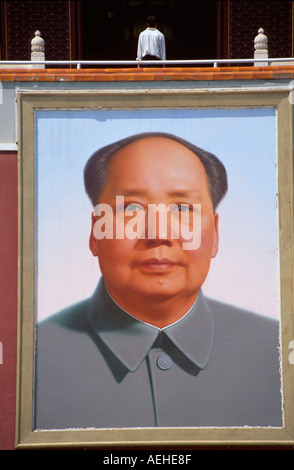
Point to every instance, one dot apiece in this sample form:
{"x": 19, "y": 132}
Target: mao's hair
{"x": 96, "y": 168}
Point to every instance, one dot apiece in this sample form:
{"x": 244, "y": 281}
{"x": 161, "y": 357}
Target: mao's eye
{"x": 181, "y": 208}
{"x": 134, "y": 206}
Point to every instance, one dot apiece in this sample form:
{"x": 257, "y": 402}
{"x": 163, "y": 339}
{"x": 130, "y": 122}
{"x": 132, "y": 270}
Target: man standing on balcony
{"x": 151, "y": 43}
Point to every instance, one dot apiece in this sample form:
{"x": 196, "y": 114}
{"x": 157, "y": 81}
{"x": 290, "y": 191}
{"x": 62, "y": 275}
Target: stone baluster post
{"x": 260, "y": 48}
{"x": 37, "y": 50}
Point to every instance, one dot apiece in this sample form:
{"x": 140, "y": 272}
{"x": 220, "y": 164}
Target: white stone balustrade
{"x": 260, "y": 48}
{"x": 37, "y": 50}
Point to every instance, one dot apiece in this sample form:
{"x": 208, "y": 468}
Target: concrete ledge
{"x": 8, "y": 147}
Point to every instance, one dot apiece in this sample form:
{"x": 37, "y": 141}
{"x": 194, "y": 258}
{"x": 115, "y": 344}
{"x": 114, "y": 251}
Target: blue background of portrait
{"x": 246, "y": 270}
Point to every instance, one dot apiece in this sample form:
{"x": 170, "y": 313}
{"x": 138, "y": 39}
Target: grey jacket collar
{"x": 130, "y": 339}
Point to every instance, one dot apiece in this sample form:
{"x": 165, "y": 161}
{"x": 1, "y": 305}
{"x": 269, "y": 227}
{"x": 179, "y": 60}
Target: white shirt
{"x": 151, "y": 42}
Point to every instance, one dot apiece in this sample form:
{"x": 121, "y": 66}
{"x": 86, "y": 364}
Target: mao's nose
{"x": 158, "y": 225}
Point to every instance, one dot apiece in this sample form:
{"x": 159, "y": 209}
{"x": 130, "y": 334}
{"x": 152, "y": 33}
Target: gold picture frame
{"x": 28, "y": 104}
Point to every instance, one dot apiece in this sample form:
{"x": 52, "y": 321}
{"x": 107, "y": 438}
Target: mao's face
{"x": 152, "y": 171}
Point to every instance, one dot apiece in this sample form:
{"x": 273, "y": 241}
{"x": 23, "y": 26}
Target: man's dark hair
{"x": 96, "y": 169}
{"x": 151, "y": 21}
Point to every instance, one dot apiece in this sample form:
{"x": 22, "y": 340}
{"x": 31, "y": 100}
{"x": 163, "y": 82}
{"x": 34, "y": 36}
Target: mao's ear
{"x": 93, "y": 240}
{"x": 215, "y": 244}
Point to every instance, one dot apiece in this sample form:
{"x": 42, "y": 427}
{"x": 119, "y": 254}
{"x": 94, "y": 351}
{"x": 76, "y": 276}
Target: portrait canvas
{"x": 244, "y": 274}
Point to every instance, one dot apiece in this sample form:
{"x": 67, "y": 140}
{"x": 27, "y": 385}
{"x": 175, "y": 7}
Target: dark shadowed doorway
{"x": 109, "y": 29}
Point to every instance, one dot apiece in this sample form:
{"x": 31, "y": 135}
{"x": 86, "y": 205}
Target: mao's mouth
{"x": 155, "y": 264}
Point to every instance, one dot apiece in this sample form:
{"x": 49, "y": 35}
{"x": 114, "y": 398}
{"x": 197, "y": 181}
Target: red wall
{"x": 8, "y": 296}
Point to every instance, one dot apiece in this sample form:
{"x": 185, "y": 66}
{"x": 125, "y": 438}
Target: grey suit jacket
{"x": 97, "y": 366}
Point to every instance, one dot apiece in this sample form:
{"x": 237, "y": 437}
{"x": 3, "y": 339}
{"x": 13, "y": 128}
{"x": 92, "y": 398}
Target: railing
{"x": 214, "y": 62}
{"x": 38, "y": 57}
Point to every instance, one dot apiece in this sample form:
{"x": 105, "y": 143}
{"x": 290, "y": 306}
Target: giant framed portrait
{"x": 155, "y": 268}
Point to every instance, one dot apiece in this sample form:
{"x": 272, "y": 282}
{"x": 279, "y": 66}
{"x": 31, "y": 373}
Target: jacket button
{"x": 164, "y": 362}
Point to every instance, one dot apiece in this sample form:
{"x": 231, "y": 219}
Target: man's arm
{"x": 139, "y": 48}
{"x": 163, "y": 50}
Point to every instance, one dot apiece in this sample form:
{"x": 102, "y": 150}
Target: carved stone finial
{"x": 37, "y": 43}
{"x": 260, "y": 48}
{"x": 260, "y": 41}
{"x": 37, "y": 50}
